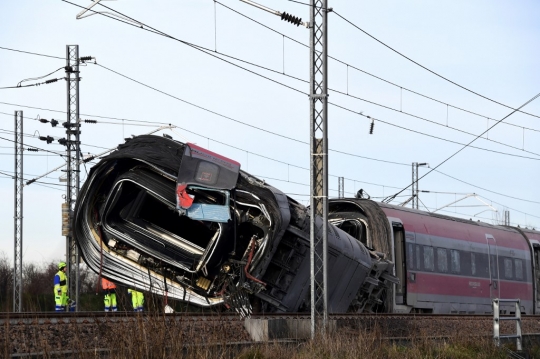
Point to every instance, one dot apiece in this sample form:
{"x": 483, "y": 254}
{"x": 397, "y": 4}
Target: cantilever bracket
{"x": 84, "y": 14}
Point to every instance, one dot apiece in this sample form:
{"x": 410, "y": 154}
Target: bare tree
{"x": 6, "y": 282}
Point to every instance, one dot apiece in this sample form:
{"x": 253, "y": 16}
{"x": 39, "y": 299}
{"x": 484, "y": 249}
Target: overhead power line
{"x": 32, "y": 53}
{"x": 207, "y": 51}
{"x": 467, "y": 145}
{"x": 485, "y": 189}
{"x": 331, "y": 57}
{"x": 50, "y": 81}
{"x": 212, "y": 53}
{"x": 370, "y": 74}
{"x": 275, "y": 160}
{"x": 435, "y": 137}
{"x": 334, "y": 104}
{"x": 41, "y": 149}
{"x": 227, "y": 117}
{"x": 431, "y": 71}
{"x": 161, "y": 123}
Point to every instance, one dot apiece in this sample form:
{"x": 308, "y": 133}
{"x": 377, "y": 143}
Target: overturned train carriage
{"x": 178, "y": 220}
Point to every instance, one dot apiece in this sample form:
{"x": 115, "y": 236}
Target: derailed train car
{"x": 181, "y": 221}
{"x": 446, "y": 264}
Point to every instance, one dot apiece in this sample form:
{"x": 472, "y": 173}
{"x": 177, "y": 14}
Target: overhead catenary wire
{"x": 207, "y": 51}
{"x": 303, "y": 168}
{"x": 33, "y": 118}
{"x": 331, "y": 57}
{"x": 436, "y": 137}
{"x": 349, "y": 179}
{"x": 372, "y": 75}
{"x": 521, "y": 149}
{"x": 41, "y": 149}
{"x": 145, "y": 27}
{"x": 331, "y": 103}
{"x": 39, "y": 77}
{"x": 82, "y": 114}
{"x": 211, "y": 53}
{"x": 83, "y": 160}
{"x": 32, "y": 53}
{"x": 467, "y": 145}
{"x": 50, "y": 81}
{"x": 404, "y": 164}
{"x": 332, "y": 150}
{"x": 485, "y": 189}
{"x": 431, "y": 71}
{"x": 47, "y": 183}
{"x": 221, "y": 115}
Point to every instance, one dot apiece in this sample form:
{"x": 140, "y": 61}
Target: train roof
{"x": 531, "y": 233}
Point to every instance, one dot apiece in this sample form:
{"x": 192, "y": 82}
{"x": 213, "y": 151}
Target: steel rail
{"x": 92, "y": 316}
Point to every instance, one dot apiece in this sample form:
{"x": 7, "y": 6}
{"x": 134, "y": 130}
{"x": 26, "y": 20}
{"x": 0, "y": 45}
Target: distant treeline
{"x": 38, "y": 286}
{"x": 38, "y": 294}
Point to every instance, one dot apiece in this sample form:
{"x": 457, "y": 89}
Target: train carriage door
{"x": 493, "y": 267}
{"x": 536, "y": 259}
{"x": 400, "y": 261}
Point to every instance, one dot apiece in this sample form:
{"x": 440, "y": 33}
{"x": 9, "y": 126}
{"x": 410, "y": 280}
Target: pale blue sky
{"x": 490, "y": 47}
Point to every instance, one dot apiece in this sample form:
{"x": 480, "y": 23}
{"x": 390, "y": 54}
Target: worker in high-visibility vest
{"x": 109, "y": 288}
{"x": 60, "y": 288}
{"x": 137, "y": 299}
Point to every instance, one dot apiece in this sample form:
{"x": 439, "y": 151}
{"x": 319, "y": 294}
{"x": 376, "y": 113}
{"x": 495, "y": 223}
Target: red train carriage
{"x": 446, "y": 264}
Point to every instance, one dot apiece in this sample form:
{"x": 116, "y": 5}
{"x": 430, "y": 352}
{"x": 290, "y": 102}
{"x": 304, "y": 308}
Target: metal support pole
{"x": 318, "y": 166}
{"x": 73, "y": 165}
{"x": 341, "y": 187}
{"x": 18, "y": 214}
{"x": 506, "y": 218}
{"x": 414, "y": 186}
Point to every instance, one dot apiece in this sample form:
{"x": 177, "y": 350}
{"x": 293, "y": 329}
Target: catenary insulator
{"x": 371, "y": 127}
{"x": 48, "y": 139}
{"x": 290, "y": 18}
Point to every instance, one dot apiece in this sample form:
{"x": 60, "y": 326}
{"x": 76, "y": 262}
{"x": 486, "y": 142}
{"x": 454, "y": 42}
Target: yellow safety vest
{"x": 63, "y": 283}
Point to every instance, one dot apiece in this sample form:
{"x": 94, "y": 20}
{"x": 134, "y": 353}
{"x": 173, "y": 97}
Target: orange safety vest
{"x": 106, "y": 284}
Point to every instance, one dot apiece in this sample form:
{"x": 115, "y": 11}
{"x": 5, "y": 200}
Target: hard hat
{"x": 62, "y": 265}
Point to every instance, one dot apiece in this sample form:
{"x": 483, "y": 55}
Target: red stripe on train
{"x": 439, "y": 284}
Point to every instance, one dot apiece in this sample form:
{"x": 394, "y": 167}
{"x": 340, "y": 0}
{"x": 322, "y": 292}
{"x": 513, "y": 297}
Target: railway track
{"x": 83, "y": 331}
{"x": 92, "y": 317}
{"x": 89, "y": 316}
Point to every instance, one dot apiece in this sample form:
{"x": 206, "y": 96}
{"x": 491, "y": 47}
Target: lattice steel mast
{"x": 341, "y": 187}
{"x": 18, "y": 214}
{"x": 73, "y": 165}
{"x": 414, "y": 186}
{"x": 318, "y": 165}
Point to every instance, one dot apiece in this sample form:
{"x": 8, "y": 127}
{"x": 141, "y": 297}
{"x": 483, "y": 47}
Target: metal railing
{"x": 497, "y": 318}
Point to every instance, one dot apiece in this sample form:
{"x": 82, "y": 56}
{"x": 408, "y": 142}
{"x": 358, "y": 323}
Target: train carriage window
{"x": 473, "y": 264}
{"x": 442, "y": 260}
{"x": 428, "y": 259}
{"x": 410, "y": 255}
{"x": 418, "y": 257}
{"x": 508, "y": 272}
{"x": 455, "y": 263}
{"x": 518, "y": 263}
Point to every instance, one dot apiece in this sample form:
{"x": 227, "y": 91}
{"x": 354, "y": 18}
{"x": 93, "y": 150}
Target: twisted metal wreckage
{"x": 181, "y": 221}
